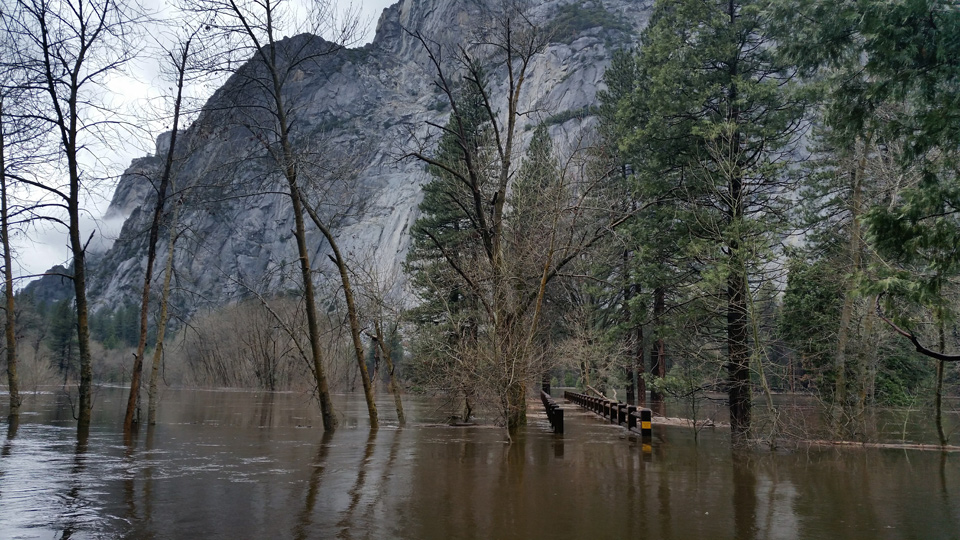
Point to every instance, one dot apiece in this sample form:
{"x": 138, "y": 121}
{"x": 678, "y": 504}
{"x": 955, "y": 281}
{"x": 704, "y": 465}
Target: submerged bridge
{"x": 637, "y": 419}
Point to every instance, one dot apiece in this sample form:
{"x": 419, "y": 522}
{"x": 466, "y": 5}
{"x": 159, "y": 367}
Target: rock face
{"x": 356, "y": 113}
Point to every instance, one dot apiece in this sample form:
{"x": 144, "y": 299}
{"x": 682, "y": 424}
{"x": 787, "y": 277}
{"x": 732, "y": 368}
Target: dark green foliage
{"x": 811, "y": 315}
{"x": 709, "y": 126}
{"x": 572, "y": 19}
{"x": 902, "y": 377}
{"x": 62, "y": 338}
{"x": 117, "y": 328}
{"x": 564, "y": 116}
{"x": 445, "y": 229}
{"x": 537, "y": 175}
{"x": 903, "y": 51}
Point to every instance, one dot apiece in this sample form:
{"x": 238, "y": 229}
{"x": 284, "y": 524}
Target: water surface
{"x": 234, "y": 464}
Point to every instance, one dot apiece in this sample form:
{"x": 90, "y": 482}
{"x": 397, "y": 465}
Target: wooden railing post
{"x": 554, "y": 412}
{"x": 617, "y": 413}
{"x": 646, "y": 423}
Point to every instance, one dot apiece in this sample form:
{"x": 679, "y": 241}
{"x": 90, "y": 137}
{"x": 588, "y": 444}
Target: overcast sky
{"x": 40, "y": 249}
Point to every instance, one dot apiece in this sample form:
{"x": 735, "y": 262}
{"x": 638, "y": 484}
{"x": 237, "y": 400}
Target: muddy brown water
{"x": 236, "y": 465}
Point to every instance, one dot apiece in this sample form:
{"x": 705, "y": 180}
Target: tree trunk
{"x": 162, "y": 321}
{"x": 323, "y": 389}
{"x": 13, "y": 382}
{"x": 628, "y": 293}
{"x": 288, "y": 165}
{"x": 78, "y": 250}
{"x": 846, "y": 313}
{"x": 658, "y": 357}
{"x": 352, "y": 315}
{"x": 938, "y": 393}
{"x": 639, "y": 368}
{"x": 387, "y": 350}
{"x": 738, "y": 365}
{"x": 133, "y": 402}
{"x": 83, "y": 327}
{"x": 516, "y": 407}
{"x": 738, "y": 354}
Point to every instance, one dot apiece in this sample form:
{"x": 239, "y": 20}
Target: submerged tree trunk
{"x": 516, "y": 407}
{"x": 387, "y": 350}
{"x": 938, "y": 394}
{"x": 738, "y": 360}
{"x": 352, "y": 315}
{"x": 133, "y": 402}
{"x": 13, "y": 382}
{"x": 738, "y": 351}
{"x": 152, "y": 391}
{"x": 288, "y": 163}
{"x": 85, "y": 412}
{"x": 313, "y": 328}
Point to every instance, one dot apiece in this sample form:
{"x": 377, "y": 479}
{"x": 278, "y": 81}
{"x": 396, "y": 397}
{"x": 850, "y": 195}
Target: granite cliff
{"x": 358, "y": 109}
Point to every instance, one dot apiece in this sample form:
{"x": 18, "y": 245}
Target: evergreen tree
{"x": 445, "y": 228}
{"x": 714, "y": 117}
{"x": 442, "y": 236}
{"x": 63, "y": 337}
{"x": 904, "y": 52}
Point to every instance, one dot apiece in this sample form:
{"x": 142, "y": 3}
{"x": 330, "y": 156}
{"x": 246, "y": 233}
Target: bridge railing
{"x": 554, "y": 412}
{"x": 616, "y": 412}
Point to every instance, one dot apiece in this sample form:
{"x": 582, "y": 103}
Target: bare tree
{"x": 515, "y": 249}
{"x": 10, "y": 335}
{"x": 71, "y": 48}
{"x": 383, "y": 312}
{"x": 265, "y": 356}
{"x": 353, "y": 316}
{"x": 178, "y": 58}
{"x": 252, "y": 28}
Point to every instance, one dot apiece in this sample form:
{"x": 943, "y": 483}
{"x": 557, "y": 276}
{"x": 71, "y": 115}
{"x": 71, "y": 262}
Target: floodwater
{"x": 239, "y": 465}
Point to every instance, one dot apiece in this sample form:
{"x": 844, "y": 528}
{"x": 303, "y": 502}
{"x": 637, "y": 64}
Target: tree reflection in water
{"x": 346, "y": 520}
{"x": 302, "y": 527}
{"x": 232, "y": 465}
{"x": 73, "y": 503}
{"x": 744, "y": 497}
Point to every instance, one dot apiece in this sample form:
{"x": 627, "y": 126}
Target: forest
{"x": 762, "y": 201}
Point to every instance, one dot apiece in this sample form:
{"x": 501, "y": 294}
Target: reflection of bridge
{"x": 618, "y": 412}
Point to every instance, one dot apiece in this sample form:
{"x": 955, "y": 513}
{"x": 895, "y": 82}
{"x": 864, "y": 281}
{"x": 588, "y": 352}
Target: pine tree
{"x": 714, "y": 115}
{"x": 905, "y": 52}
{"x": 443, "y": 234}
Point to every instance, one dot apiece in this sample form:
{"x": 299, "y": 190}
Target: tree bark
{"x": 938, "y": 393}
{"x": 738, "y": 353}
{"x": 854, "y": 250}
{"x": 313, "y": 329}
{"x": 152, "y": 391}
{"x": 13, "y": 382}
{"x": 85, "y": 391}
{"x": 133, "y": 402}
{"x": 516, "y": 407}
{"x": 639, "y": 368}
{"x": 387, "y": 351}
{"x": 658, "y": 356}
{"x": 738, "y": 357}
{"x": 352, "y": 315}
{"x": 287, "y": 162}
